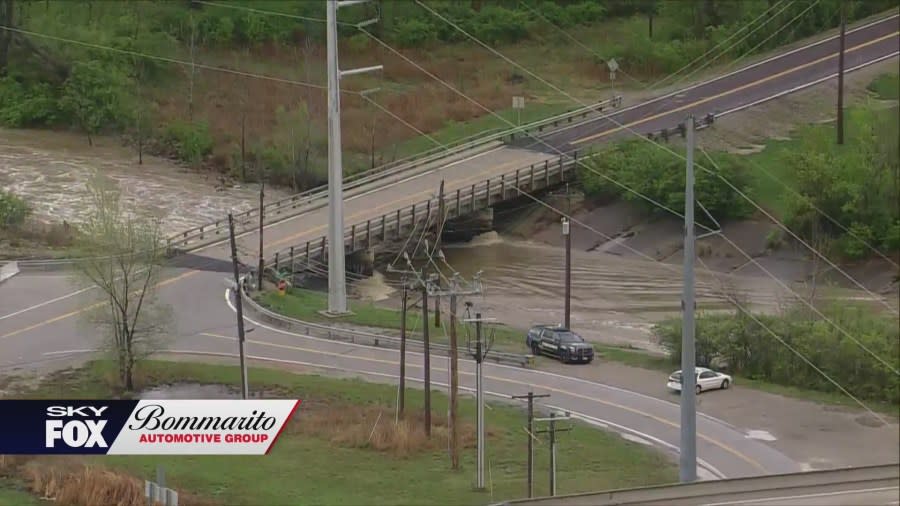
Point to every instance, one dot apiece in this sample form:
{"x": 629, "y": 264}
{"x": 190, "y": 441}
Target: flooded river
{"x": 51, "y": 171}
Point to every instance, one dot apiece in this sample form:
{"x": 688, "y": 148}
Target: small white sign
{"x": 612, "y": 64}
{"x": 518, "y": 102}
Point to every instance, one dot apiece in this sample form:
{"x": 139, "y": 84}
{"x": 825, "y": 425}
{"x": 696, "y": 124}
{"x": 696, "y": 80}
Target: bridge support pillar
{"x": 363, "y": 261}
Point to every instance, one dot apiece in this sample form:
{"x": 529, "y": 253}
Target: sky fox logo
{"x": 75, "y": 433}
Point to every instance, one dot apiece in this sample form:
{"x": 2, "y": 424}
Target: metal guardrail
{"x": 463, "y": 201}
{"x": 721, "y": 490}
{"x": 290, "y": 206}
{"x": 365, "y": 338}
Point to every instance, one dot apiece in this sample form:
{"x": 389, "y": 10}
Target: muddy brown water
{"x": 51, "y": 170}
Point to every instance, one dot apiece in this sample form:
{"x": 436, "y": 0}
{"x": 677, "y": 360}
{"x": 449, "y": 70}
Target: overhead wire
{"x": 665, "y": 148}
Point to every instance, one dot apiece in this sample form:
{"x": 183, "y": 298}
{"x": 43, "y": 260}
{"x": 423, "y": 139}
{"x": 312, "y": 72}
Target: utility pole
{"x": 337, "y": 282}
{"x": 401, "y": 402}
{"x": 240, "y": 308}
{"x": 840, "y": 100}
{"x": 568, "y": 236}
{"x": 480, "y": 353}
{"x": 262, "y": 214}
{"x": 552, "y": 430}
{"x": 531, "y": 397}
{"x": 438, "y": 229}
{"x": 688, "y": 454}
{"x": 427, "y": 356}
{"x": 454, "y": 387}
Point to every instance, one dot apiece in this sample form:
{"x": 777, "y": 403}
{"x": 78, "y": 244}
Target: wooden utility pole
{"x": 262, "y": 185}
{"x": 454, "y": 387}
{"x": 401, "y": 401}
{"x": 840, "y": 99}
{"x": 427, "y": 357}
{"x": 552, "y": 430}
{"x": 531, "y": 397}
{"x": 566, "y": 228}
{"x": 239, "y": 306}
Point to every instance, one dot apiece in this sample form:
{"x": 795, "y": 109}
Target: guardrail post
{"x": 292, "y": 260}
{"x": 368, "y": 234}
{"x": 517, "y": 178}
{"x": 307, "y": 255}
{"x": 383, "y": 228}
{"x": 531, "y": 187}
{"x": 487, "y": 185}
{"x": 472, "y": 198}
{"x": 201, "y": 232}
{"x": 502, "y": 187}
{"x": 546, "y": 173}
{"x": 562, "y": 170}
{"x": 217, "y": 227}
{"x": 412, "y": 221}
{"x": 352, "y": 238}
{"x": 575, "y": 160}
{"x": 276, "y": 261}
{"x": 397, "y": 231}
{"x": 457, "y": 201}
{"x": 322, "y": 250}
{"x": 427, "y": 212}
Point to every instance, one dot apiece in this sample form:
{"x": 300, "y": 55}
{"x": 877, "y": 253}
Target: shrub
{"x": 13, "y": 210}
{"x": 413, "y": 32}
{"x": 28, "y": 105}
{"x": 191, "y": 141}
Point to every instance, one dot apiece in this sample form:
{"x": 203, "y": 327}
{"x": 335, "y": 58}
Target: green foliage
{"x": 655, "y": 173}
{"x": 750, "y": 350}
{"x": 295, "y": 152}
{"x": 190, "y": 141}
{"x": 95, "y": 95}
{"x": 13, "y": 210}
{"x": 886, "y": 86}
{"x": 28, "y": 104}
{"x": 855, "y": 184}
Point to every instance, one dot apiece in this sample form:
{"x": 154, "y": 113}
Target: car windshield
{"x": 569, "y": 337}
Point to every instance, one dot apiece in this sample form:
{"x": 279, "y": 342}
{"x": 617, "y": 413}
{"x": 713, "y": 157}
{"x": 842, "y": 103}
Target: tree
{"x": 7, "y": 18}
{"x": 121, "y": 255}
{"x": 94, "y": 94}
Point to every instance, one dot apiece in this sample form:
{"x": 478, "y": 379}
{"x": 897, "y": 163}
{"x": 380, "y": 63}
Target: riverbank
{"x": 340, "y": 431}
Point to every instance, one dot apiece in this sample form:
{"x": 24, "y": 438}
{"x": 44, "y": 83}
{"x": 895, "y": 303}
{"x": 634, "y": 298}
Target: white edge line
{"x": 807, "y": 85}
{"x": 601, "y": 422}
{"x": 732, "y": 73}
{"x": 585, "y": 418}
{"x": 533, "y": 371}
{"x": 802, "y": 496}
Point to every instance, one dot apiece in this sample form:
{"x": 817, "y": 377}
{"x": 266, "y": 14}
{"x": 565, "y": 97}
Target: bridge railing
{"x": 422, "y": 214}
{"x": 345, "y": 334}
{"x": 300, "y": 202}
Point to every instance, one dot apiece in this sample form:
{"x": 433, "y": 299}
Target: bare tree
{"x": 122, "y": 255}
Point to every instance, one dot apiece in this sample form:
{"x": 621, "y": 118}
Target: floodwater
{"x": 614, "y": 299}
{"x": 51, "y": 171}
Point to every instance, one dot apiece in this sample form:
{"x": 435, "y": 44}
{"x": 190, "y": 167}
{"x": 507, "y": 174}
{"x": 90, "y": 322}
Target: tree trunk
{"x": 650, "y": 25}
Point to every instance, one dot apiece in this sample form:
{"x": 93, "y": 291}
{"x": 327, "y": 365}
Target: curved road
{"x": 40, "y": 314}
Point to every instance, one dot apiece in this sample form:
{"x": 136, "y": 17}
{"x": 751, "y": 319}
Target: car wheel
{"x": 564, "y": 357}
{"x": 699, "y": 389}
{"x": 725, "y": 384}
{"x": 535, "y": 349}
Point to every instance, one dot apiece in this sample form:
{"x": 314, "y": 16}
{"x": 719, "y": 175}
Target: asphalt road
{"x": 42, "y": 317}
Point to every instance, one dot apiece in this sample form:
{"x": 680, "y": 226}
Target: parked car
{"x": 559, "y": 342}
{"x": 707, "y": 379}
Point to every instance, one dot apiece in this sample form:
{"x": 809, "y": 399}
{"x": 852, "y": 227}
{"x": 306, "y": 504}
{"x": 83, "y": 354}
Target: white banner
{"x": 203, "y": 427}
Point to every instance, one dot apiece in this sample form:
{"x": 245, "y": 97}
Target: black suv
{"x": 559, "y": 342}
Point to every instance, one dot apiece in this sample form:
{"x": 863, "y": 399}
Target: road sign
{"x": 518, "y": 102}
{"x": 612, "y": 64}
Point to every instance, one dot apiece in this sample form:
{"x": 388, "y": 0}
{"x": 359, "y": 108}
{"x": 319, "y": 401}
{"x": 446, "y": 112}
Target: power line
{"x": 742, "y": 194}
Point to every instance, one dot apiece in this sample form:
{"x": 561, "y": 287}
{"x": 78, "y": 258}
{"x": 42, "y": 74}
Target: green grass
{"x": 453, "y": 131}
{"x": 886, "y": 86}
{"x": 13, "y": 494}
{"x": 307, "y": 470}
{"x": 304, "y": 304}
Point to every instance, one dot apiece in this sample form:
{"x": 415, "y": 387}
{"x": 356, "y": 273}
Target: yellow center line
{"x": 730, "y": 91}
{"x": 409, "y": 200}
{"x": 661, "y": 420}
{"x": 88, "y": 308}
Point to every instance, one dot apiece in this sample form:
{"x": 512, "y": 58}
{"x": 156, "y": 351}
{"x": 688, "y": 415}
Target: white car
{"x": 707, "y": 379}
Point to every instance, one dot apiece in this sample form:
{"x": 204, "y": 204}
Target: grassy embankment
{"x": 330, "y": 453}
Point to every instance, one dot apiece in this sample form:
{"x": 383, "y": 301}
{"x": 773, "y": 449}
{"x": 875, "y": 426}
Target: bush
{"x": 190, "y": 141}
{"x": 413, "y": 33}
{"x": 751, "y": 351}
{"x": 659, "y": 175}
{"x": 13, "y": 210}
{"x": 28, "y": 104}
